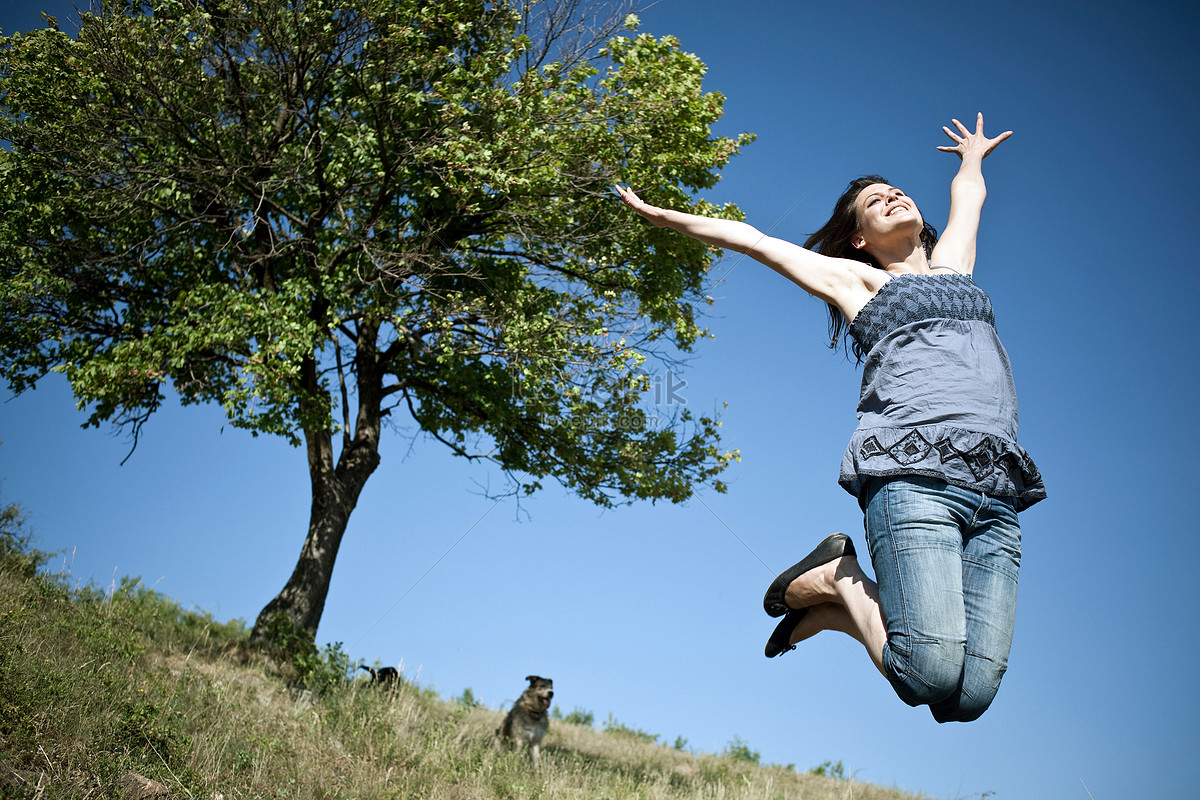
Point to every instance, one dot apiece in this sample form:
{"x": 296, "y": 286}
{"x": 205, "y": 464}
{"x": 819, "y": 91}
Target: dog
{"x": 529, "y": 718}
{"x": 384, "y": 675}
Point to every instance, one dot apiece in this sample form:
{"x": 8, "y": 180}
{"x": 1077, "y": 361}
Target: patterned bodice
{"x": 912, "y": 298}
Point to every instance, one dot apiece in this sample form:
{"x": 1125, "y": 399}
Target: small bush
{"x": 17, "y": 555}
{"x": 313, "y": 669}
{"x": 739, "y": 750}
{"x": 830, "y": 770}
{"x": 612, "y": 726}
{"x": 577, "y": 716}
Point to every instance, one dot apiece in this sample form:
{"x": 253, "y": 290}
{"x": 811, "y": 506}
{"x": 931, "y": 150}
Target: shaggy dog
{"x": 529, "y": 718}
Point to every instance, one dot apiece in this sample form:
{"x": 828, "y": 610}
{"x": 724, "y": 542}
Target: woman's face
{"x": 885, "y": 212}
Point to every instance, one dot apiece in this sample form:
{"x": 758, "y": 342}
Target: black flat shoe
{"x": 779, "y": 642}
{"x": 834, "y": 546}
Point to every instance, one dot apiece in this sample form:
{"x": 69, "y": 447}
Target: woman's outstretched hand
{"x": 651, "y": 213}
{"x": 972, "y": 144}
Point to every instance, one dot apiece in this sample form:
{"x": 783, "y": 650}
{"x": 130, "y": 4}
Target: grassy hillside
{"x": 121, "y": 693}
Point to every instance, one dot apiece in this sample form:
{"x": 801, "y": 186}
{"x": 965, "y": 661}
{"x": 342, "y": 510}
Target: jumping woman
{"x": 934, "y": 461}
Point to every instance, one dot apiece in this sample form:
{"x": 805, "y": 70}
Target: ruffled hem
{"x": 982, "y": 461}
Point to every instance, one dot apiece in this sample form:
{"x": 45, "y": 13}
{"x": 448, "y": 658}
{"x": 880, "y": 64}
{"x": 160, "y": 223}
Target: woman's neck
{"x": 912, "y": 262}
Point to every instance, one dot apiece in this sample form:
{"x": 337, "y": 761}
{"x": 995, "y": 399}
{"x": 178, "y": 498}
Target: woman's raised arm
{"x": 956, "y": 247}
{"x": 842, "y": 282}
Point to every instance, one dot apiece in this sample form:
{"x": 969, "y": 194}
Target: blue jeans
{"x": 946, "y": 562}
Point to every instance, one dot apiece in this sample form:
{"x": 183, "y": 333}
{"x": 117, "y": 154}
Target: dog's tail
{"x": 374, "y": 676}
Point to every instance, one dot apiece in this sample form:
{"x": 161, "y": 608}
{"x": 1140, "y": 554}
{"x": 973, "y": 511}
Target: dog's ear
{"x": 532, "y": 679}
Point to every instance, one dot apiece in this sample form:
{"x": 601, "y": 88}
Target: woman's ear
{"x": 857, "y": 241}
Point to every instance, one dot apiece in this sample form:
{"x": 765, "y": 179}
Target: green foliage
{"x": 615, "y": 728}
{"x": 829, "y": 769}
{"x": 329, "y": 669}
{"x": 467, "y": 699}
{"x": 150, "y": 733}
{"x": 681, "y": 743}
{"x": 739, "y": 750}
{"x": 17, "y": 554}
{"x": 318, "y": 670}
{"x": 283, "y": 208}
{"x": 577, "y": 716}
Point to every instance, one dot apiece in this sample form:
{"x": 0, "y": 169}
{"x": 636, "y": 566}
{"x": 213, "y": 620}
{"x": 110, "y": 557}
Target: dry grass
{"x": 97, "y": 686}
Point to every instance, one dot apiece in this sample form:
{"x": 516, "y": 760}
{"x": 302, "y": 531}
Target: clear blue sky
{"x": 652, "y": 613}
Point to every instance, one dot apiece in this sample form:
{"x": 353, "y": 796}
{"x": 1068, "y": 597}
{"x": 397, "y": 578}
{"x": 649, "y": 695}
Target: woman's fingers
{"x": 630, "y": 198}
{"x": 993, "y": 142}
{"x": 964, "y": 140}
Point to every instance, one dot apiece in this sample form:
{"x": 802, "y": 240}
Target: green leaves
{"x": 288, "y": 208}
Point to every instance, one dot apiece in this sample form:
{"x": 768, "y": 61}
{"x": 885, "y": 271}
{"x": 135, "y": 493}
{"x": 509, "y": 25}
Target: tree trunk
{"x": 303, "y": 596}
{"x": 335, "y": 492}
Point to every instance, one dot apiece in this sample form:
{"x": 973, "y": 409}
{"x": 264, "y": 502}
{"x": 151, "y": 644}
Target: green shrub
{"x": 612, "y": 726}
{"x": 17, "y": 555}
{"x": 829, "y": 769}
{"x": 313, "y": 669}
{"x": 739, "y": 750}
{"x": 577, "y": 716}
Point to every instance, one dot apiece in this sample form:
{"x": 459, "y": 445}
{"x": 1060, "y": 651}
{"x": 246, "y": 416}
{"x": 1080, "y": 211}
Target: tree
{"x": 320, "y": 213}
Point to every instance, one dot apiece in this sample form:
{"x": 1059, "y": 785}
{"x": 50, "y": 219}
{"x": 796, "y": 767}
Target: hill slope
{"x": 122, "y": 693}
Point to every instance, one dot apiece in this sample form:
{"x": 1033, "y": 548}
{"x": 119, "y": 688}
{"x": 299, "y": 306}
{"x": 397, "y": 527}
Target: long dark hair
{"x": 833, "y": 239}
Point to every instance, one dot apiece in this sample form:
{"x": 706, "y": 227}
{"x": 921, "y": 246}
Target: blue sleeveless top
{"x": 937, "y": 397}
